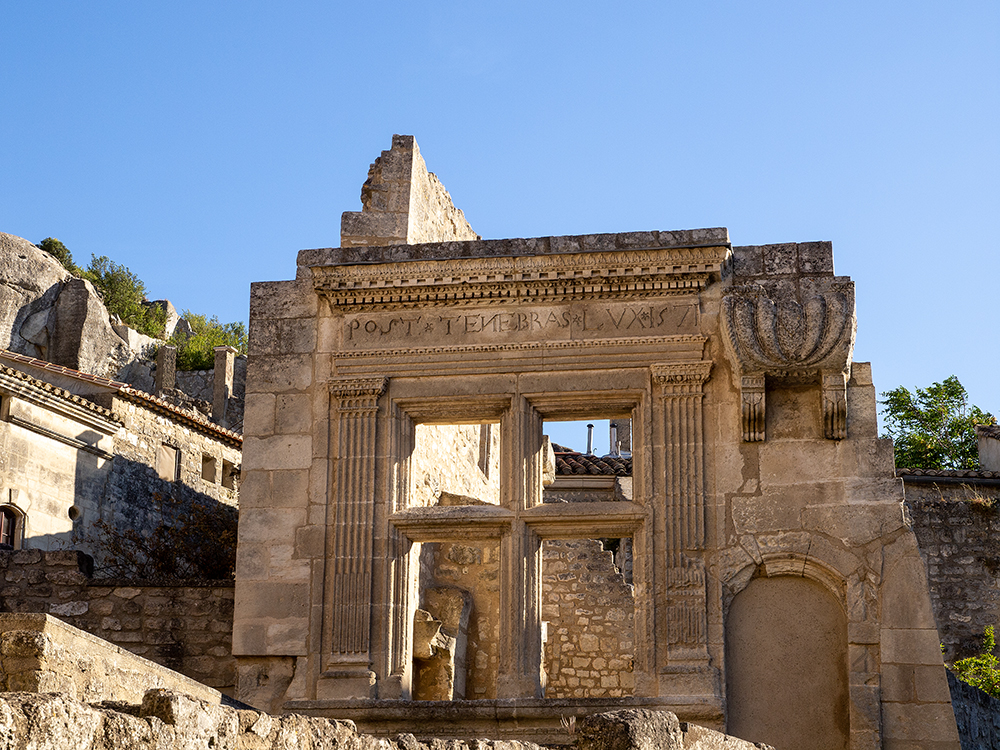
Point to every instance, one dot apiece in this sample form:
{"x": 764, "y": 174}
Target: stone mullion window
{"x": 681, "y": 386}
{"x": 355, "y": 407}
{"x": 521, "y": 557}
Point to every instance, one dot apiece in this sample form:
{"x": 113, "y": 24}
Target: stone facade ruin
{"x": 78, "y": 449}
{"x": 777, "y": 583}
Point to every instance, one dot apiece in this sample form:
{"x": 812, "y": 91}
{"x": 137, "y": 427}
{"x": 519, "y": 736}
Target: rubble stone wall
{"x": 187, "y": 628}
{"x": 137, "y": 496}
{"x": 590, "y": 612}
{"x": 959, "y": 539}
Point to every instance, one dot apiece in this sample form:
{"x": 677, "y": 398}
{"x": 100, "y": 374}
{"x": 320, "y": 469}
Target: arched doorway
{"x": 786, "y": 665}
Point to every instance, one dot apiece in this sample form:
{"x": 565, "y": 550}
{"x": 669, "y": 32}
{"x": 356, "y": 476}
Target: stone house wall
{"x": 187, "y": 628}
{"x": 959, "y": 539}
{"x": 53, "y": 466}
{"x": 141, "y": 492}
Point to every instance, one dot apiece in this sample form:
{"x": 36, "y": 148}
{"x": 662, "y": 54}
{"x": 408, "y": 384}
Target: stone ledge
{"x": 686, "y": 238}
{"x": 537, "y": 720}
{"x": 40, "y": 653}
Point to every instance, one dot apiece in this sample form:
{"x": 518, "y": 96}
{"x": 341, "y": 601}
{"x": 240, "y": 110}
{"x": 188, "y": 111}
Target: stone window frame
{"x": 522, "y": 522}
{"x": 161, "y": 464}
{"x": 18, "y": 520}
{"x": 209, "y": 466}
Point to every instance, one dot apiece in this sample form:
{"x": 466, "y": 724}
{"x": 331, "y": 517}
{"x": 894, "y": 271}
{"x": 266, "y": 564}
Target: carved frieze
{"x": 521, "y": 279}
{"x": 777, "y": 335}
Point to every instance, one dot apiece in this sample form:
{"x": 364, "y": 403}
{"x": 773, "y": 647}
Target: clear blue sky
{"x": 203, "y": 144}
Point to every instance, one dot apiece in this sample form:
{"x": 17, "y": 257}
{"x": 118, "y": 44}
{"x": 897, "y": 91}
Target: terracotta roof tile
{"x": 130, "y": 393}
{"x": 59, "y": 392}
{"x": 948, "y": 473}
{"x": 570, "y": 463}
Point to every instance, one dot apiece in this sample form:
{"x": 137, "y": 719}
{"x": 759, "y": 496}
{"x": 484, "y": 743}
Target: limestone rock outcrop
{"x": 30, "y": 282}
{"x": 172, "y": 721}
{"x": 46, "y": 312}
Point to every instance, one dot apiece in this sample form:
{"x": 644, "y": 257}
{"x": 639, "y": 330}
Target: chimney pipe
{"x": 590, "y": 439}
{"x": 616, "y": 449}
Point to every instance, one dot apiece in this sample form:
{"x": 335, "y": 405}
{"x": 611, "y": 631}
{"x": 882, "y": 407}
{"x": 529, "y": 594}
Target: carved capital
{"x": 682, "y": 378}
{"x": 792, "y": 336}
{"x": 358, "y": 394}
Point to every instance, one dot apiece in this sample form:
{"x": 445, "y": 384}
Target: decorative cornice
{"x": 524, "y": 346}
{"x": 632, "y": 273}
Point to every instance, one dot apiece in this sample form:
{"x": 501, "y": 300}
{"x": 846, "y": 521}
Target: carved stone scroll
{"x": 354, "y": 406}
{"x": 784, "y": 338}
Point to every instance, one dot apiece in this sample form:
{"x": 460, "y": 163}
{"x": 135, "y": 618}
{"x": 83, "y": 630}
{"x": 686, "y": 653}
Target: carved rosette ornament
{"x": 784, "y": 338}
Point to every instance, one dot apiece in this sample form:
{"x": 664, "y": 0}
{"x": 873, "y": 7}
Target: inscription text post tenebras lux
{"x": 510, "y": 323}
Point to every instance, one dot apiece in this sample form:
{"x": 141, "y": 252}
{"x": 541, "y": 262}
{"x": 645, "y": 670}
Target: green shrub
{"x": 61, "y": 253}
{"x": 933, "y": 427}
{"x": 123, "y": 293}
{"x": 197, "y": 351}
{"x": 981, "y": 671}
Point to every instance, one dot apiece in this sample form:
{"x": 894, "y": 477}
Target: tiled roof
{"x": 131, "y": 394}
{"x": 570, "y": 463}
{"x": 948, "y": 473}
{"x": 60, "y": 393}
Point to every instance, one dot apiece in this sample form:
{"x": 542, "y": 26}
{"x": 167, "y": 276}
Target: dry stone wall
{"x": 187, "y": 628}
{"x": 145, "y": 488}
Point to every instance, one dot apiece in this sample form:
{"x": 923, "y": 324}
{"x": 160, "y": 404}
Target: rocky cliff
{"x": 46, "y": 312}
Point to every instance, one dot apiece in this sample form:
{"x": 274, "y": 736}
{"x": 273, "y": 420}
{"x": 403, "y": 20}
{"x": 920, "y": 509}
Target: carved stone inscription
{"x": 504, "y": 322}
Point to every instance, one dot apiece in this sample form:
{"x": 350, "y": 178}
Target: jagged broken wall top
{"x": 403, "y": 203}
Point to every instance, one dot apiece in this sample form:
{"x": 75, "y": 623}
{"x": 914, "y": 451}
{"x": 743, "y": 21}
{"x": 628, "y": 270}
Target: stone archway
{"x": 786, "y": 665}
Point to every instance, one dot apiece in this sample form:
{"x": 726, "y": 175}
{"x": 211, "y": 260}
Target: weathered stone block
{"x": 910, "y": 646}
{"x": 278, "y": 452}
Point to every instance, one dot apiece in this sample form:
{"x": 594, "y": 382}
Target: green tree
{"x": 197, "y": 351}
{"x": 981, "y": 671}
{"x": 123, "y": 293}
{"x": 61, "y": 253}
{"x": 933, "y": 427}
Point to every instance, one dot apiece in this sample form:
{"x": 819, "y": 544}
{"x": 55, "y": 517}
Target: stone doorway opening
{"x": 588, "y": 600}
{"x": 456, "y": 623}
